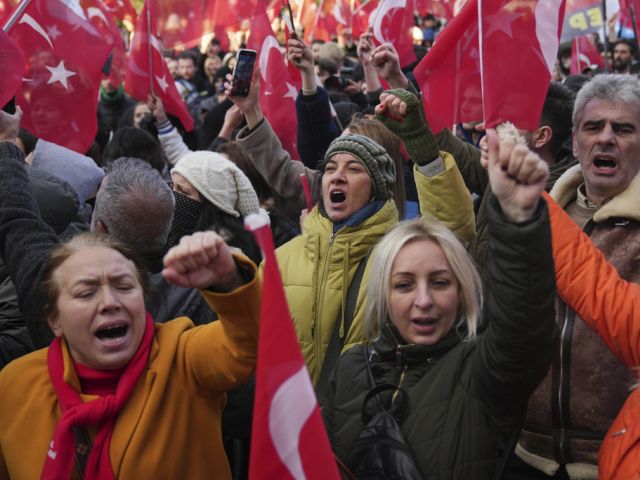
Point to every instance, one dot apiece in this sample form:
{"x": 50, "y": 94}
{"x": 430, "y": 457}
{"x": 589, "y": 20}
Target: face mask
{"x": 185, "y": 218}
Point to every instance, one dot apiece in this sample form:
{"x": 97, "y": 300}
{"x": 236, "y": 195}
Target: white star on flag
{"x": 162, "y": 83}
{"x": 53, "y": 32}
{"x": 291, "y": 92}
{"x": 60, "y": 74}
{"x": 501, "y": 21}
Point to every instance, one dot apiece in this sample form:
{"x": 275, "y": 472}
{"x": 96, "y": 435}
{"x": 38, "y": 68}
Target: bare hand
{"x": 10, "y": 125}
{"x": 365, "y": 48}
{"x": 202, "y": 260}
{"x": 386, "y": 61}
{"x": 249, "y": 102}
{"x": 517, "y": 176}
{"x": 300, "y": 55}
{"x": 157, "y": 108}
{"x": 232, "y": 120}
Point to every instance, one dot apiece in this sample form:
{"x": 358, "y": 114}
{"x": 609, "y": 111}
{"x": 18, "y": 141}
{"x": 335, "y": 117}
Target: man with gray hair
{"x": 572, "y": 409}
{"x": 134, "y": 204}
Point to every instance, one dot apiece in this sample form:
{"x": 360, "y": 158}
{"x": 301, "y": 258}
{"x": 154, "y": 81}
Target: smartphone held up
{"x": 245, "y": 61}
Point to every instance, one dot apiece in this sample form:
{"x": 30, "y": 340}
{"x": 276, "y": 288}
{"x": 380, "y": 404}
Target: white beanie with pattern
{"x": 220, "y": 181}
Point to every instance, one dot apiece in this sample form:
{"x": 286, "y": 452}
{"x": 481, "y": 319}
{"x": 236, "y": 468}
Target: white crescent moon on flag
{"x": 337, "y": 13}
{"x": 94, "y": 12}
{"x": 546, "y": 14}
{"x": 380, "y": 13}
{"x": 133, "y": 66}
{"x": 291, "y": 407}
{"x": 268, "y": 43}
{"x": 29, "y": 20}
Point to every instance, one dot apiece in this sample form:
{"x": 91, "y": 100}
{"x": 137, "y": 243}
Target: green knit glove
{"x": 414, "y": 130}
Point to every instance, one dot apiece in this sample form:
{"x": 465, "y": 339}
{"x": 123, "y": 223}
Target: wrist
{"x": 253, "y": 116}
{"x": 398, "y": 80}
{"x": 514, "y": 214}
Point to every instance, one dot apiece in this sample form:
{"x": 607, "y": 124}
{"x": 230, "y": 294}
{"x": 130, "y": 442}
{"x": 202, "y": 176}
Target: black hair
{"x": 135, "y": 143}
{"x": 556, "y": 113}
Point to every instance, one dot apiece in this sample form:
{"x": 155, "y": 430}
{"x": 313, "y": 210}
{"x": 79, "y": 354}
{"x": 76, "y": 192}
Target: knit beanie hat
{"x": 376, "y": 160}
{"x": 220, "y": 181}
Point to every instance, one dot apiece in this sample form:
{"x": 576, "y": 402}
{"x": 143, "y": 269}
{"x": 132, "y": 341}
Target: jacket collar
{"x": 391, "y": 347}
{"x": 623, "y": 205}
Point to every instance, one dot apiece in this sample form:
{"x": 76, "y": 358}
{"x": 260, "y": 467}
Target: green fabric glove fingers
{"x": 414, "y": 130}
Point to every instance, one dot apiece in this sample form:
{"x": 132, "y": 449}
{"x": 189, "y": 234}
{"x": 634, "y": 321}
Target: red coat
{"x": 611, "y": 306}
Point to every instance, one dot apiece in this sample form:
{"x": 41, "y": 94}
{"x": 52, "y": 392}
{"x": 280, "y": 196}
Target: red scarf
{"x": 101, "y": 412}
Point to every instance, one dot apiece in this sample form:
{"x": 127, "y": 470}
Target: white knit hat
{"x": 220, "y": 181}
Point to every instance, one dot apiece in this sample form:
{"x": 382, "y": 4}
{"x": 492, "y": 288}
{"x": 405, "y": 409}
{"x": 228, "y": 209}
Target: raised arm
{"x": 170, "y": 139}
{"x": 316, "y": 127}
{"x": 441, "y": 190}
{"x": 222, "y": 354}
{"x": 593, "y": 288}
{"x": 516, "y": 349}
{"x": 264, "y": 147}
{"x": 25, "y": 239}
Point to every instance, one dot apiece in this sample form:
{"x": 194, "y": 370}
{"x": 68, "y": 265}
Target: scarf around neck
{"x": 101, "y": 412}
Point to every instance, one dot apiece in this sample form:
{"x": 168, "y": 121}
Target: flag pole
{"x": 151, "y": 89}
{"x": 607, "y": 46}
{"x": 17, "y": 13}
{"x": 315, "y": 20}
{"x": 375, "y": 18}
{"x": 294, "y": 34}
{"x": 635, "y": 27}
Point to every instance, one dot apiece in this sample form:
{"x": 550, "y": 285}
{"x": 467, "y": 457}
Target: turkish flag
{"x": 288, "y": 438}
{"x": 277, "y": 92}
{"x": 392, "y": 21}
{"x": 360, "y": 17}
{"x": 11, "y": 66}
{"x": 439, "y": 8}
{"x": 520, "y": 41}
{"x": 64, "y": 56}
{"x": 123, "y": 11}
{"x": 584, "y": 54}
{"x": 449, "y": 74}
{"x": 101, "y": 18}
{"x": 142, "y": 76}
{"x": 6, "y": 7}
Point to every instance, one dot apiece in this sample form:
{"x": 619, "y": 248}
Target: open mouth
{"x": 337, "y": 196}
{"x": 113, "y": 333}
{"x": 604, "y": 163}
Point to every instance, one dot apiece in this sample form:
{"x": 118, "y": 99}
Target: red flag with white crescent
{"x": 288, "y": 438}
{"x": 392, "y": 21}
{"x": 523, "y": 34}
{"x": 147, "y": 70}
{"x": 277, "y": 91}
{"x": 64, "y": 56}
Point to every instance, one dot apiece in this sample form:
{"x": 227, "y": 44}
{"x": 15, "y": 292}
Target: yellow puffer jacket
{"x": 317, "y": 267}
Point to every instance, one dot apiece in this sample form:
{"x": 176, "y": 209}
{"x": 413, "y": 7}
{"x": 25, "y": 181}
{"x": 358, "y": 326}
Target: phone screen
{"x": 243, "y": 72}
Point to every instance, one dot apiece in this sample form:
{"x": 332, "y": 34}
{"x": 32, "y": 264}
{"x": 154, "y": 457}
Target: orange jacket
{"x": 170, "y": 426}
{"x": 611, "y": 306}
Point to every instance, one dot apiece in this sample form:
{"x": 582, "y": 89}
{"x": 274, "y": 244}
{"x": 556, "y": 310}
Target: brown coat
{"x": 574, "y": 406}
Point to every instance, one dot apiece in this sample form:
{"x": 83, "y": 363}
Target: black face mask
{"x": 185, "y": 218}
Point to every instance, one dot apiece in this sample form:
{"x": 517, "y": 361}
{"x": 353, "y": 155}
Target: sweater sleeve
{"x": 468, "y": 159}
{"x": 316, "y": 128}
{"x": 274, "y": 163}
{"x": 223, "y": 354}
{"x": 593, "y": 288}
{"x": 172, "y": 143}
{"x": 25, "y": 240}
{"x": 446, "y": 197}
{"x": 514, "y": 353}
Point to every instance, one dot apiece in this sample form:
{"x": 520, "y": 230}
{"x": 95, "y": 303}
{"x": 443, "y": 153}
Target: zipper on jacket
{"x": 563, "y": 334}
{"x": 395, "y": 394}
{"x": 316, "y": 332}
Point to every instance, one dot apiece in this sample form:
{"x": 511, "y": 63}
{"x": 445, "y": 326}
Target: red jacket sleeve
{"x": 588, "y": 283}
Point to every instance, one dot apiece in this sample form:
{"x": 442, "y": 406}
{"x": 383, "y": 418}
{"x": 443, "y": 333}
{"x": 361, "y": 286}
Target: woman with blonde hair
{"x": 456, "y": 393}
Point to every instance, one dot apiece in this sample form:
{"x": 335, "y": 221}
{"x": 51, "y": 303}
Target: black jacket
{"x": 465, "y": 397}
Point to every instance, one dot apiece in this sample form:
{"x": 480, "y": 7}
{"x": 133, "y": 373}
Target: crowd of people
{"x": 478, "y": 287}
